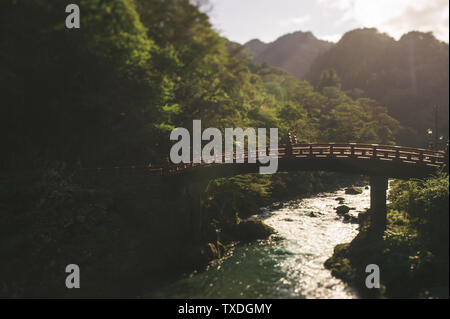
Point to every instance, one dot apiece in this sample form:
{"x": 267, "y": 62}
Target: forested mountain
{"x": 293, "y": 52}
{"x": 111, "y": 92}
{"x": 255, "y": 47}
{"x": 409, "y": 77}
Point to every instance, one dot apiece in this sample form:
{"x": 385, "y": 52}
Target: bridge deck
{"x": 366, "y": 159}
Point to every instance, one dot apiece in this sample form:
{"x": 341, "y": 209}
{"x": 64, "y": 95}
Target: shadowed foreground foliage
{"x": 413, "y": 253}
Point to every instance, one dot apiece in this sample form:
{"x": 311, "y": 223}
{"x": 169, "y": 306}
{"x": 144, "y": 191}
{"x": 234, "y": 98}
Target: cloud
{"x": 295, "y": 21}
{"x": 429, "y": 18}
{"x": 395, "y": 17}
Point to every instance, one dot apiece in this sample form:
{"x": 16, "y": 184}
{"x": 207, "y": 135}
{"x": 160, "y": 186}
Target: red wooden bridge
{"x": 379, "y": 162}
{"x": 364, "y": 159}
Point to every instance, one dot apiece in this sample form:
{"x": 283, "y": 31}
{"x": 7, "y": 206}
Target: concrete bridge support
{"x": 378, "y": 209}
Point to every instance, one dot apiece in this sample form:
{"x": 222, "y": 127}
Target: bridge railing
{"x": 369, "y": 151}
{"x": 425, "y": 157}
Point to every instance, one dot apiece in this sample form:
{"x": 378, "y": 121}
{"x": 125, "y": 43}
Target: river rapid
{"x": 290, "y": 264}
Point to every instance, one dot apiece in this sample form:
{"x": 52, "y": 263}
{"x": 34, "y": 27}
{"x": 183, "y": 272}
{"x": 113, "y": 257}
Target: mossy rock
{"x": 339, "y": 264}
{"x": 252, "y": 229}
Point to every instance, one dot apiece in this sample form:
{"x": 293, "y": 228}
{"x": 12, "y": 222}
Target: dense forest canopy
{"x": 110, "y": 92}
{"x": 410, "y": 77}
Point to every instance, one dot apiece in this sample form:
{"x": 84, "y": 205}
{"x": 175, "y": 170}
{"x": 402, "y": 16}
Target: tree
{"x": 329, "y": 78}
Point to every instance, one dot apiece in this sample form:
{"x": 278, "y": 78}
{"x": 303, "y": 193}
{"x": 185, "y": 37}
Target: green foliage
{"x": 409, "y": 76}
{"x": 426, "y": 203}
{"x": 416, "y": 243}
{"x": 329, "y": 78}
{"x": 110, "y": 92}
{"x": 413, "y": 253}
{"x": 76, "y": 94}
{"x": 238, "y": 197}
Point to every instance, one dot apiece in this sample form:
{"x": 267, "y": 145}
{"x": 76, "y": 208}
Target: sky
{"x": 243, "y": 20}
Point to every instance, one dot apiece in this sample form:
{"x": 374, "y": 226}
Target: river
{"x": 289, "y": 265}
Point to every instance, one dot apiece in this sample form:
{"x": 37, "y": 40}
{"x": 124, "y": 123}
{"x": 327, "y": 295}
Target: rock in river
{"x": 342, "y": 210}
{"x": 252, "y": 229}
{"x": 353, "y": 190}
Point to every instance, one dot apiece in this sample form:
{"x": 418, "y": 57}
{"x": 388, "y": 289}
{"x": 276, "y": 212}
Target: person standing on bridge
{"x": 289, "y": 145}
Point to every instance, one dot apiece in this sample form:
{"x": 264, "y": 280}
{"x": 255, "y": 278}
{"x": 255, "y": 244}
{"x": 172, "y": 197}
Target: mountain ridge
{"x": 292, "y": 52}
{"x": 409, "y": 76}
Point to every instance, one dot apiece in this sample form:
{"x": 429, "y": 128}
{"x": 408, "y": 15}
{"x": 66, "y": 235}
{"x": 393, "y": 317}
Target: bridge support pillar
{"x": 378, "y": 209}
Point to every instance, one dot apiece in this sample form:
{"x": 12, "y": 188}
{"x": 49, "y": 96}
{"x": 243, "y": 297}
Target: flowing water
{"x": 290, "y": 265}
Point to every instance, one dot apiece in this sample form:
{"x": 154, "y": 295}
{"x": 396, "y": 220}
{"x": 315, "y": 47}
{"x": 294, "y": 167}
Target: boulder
{"x": 342, "y": 210}
{"x": 252, "y": 229}
{"x": 353, "y": 190}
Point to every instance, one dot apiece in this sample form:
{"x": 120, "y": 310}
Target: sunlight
{"x": 374, "y": 14}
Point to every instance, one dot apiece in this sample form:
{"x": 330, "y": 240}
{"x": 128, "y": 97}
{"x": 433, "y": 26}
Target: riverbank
{"x": 412, "y": 253}
{"x": 122, "y": 231}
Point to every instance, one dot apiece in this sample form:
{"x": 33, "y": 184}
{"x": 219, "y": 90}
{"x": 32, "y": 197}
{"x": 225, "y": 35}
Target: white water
{"x": 291, "y": 265}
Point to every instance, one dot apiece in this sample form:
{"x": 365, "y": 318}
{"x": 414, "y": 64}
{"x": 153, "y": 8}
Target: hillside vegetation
{"x": 111, "y": 92}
